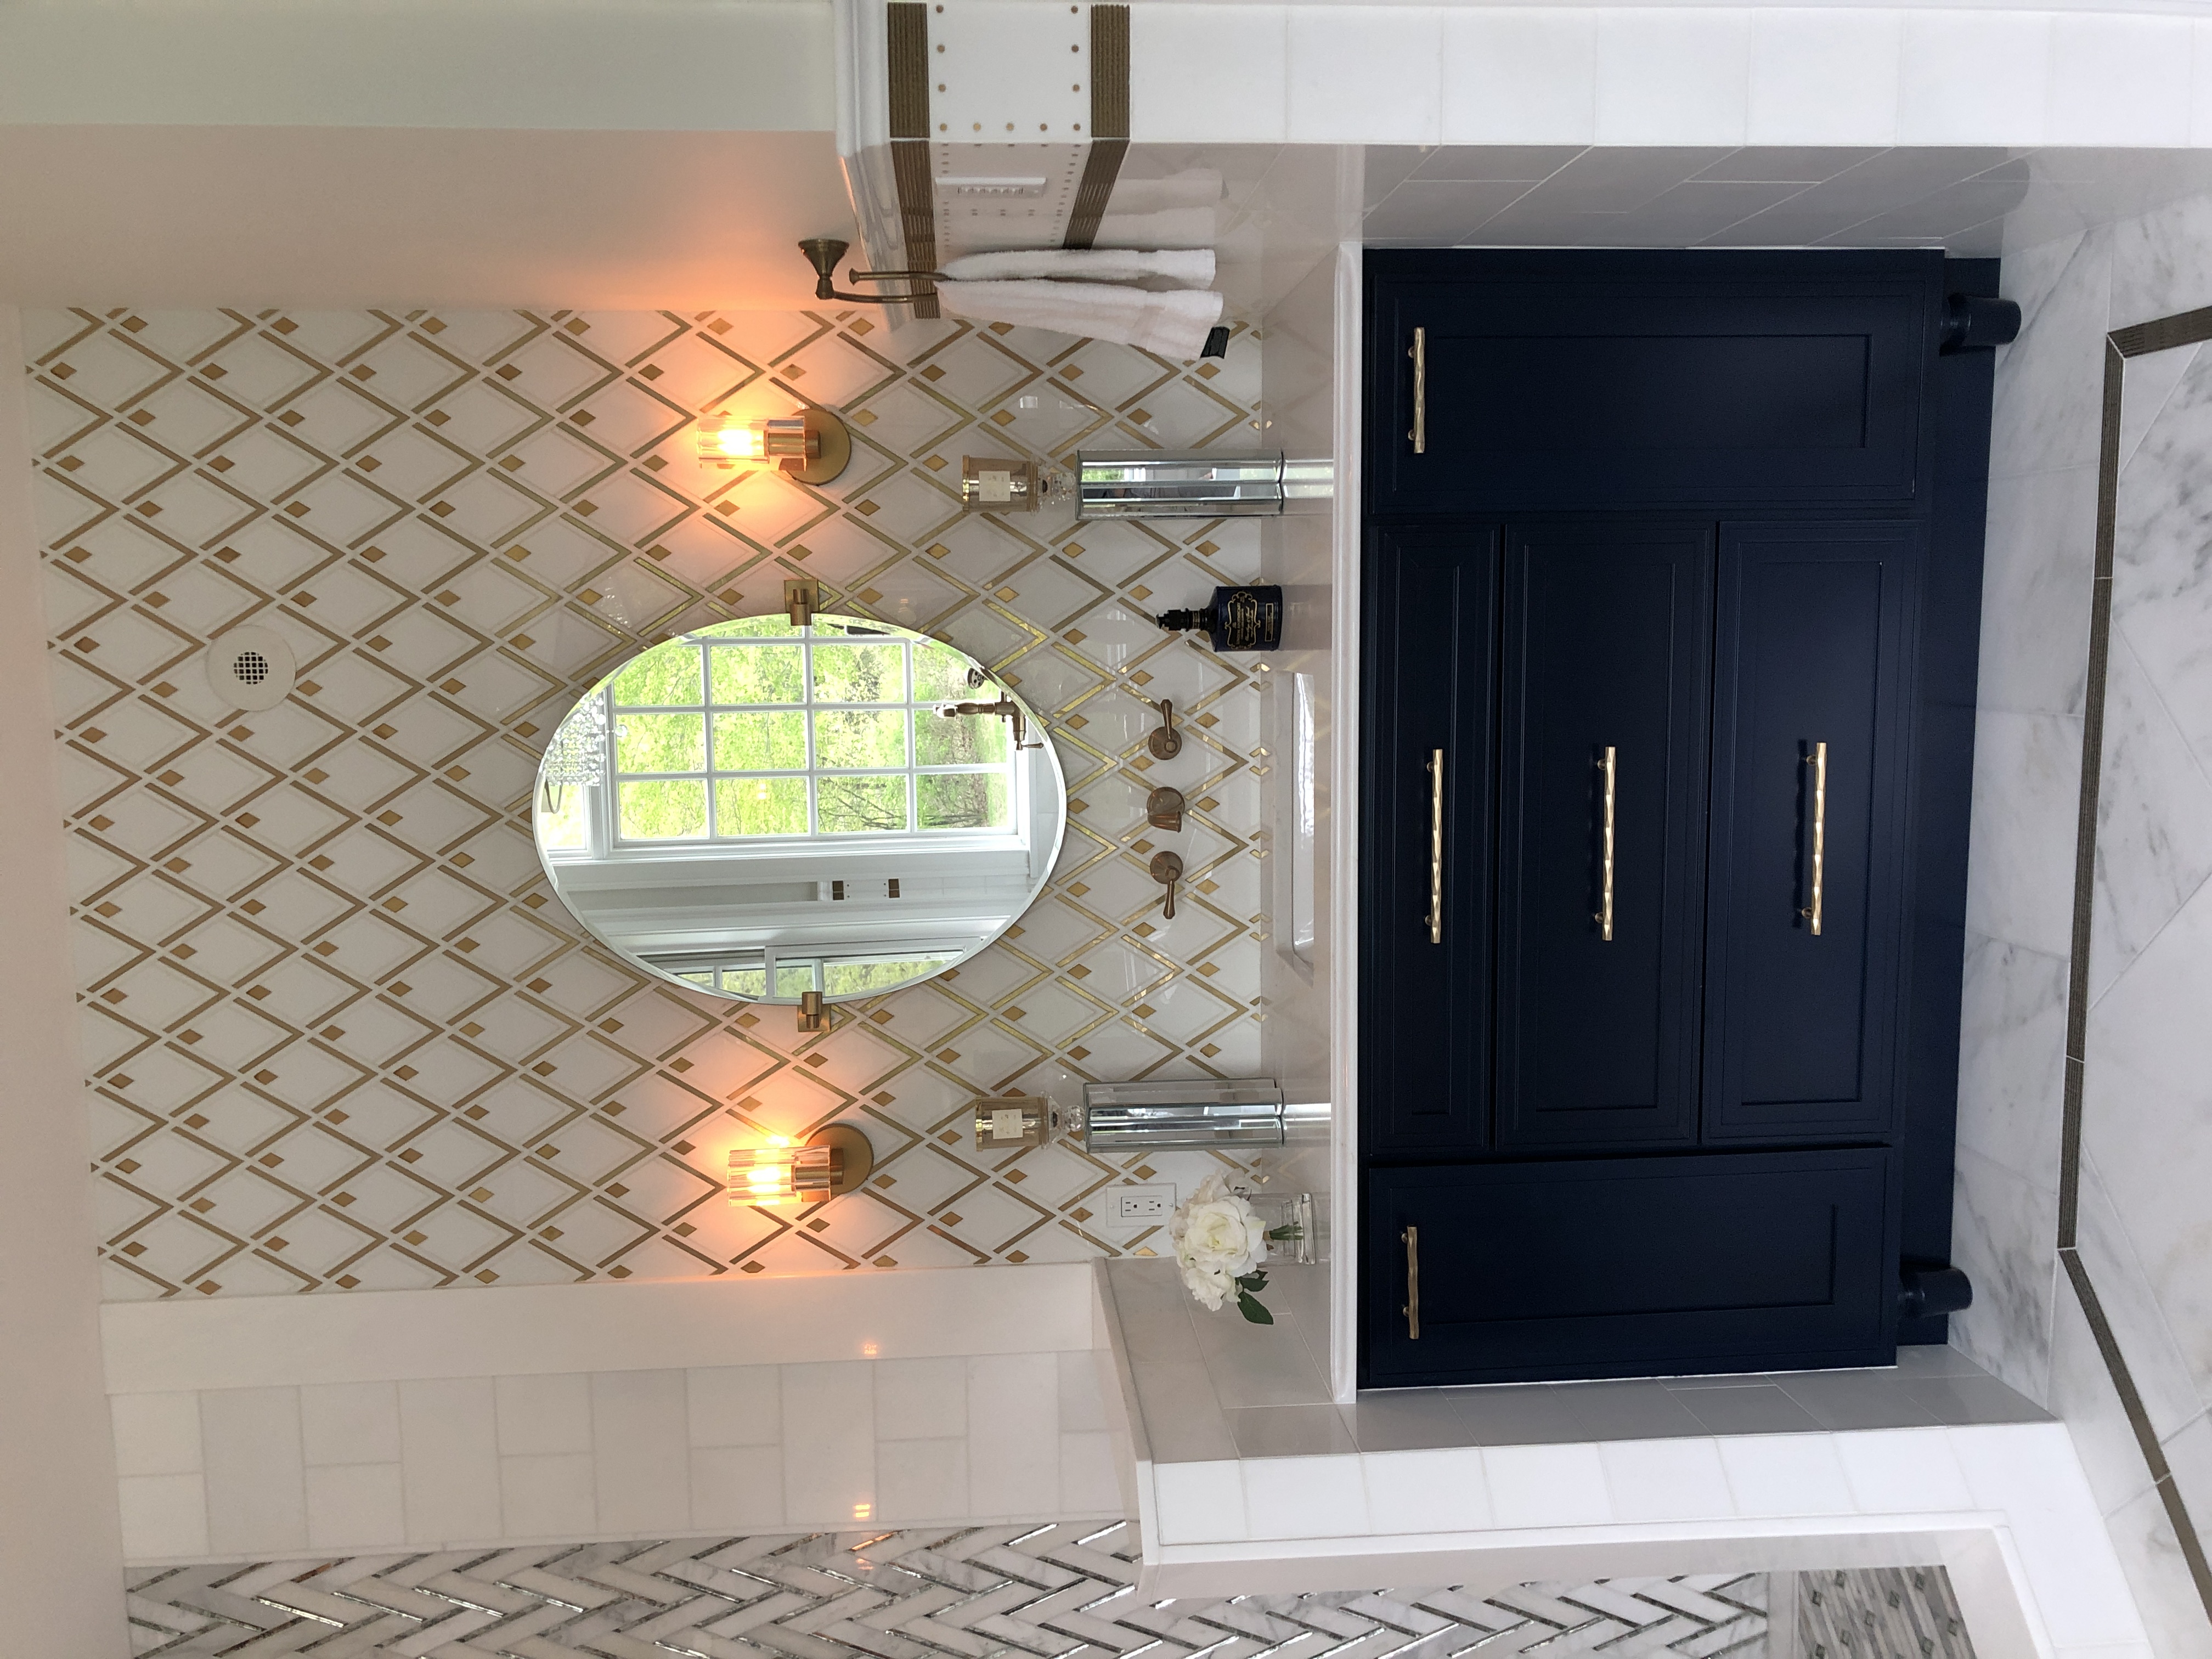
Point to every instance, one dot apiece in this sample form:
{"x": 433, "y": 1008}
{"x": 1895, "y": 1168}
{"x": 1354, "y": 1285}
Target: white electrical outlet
{"x": 1137, "y": 1206}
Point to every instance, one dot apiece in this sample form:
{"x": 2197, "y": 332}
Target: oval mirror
{"x": 759, "y": 811}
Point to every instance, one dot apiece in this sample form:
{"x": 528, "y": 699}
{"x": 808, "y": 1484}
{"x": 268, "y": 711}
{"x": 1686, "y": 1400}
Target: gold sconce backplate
{"x": 854, "y": 1160}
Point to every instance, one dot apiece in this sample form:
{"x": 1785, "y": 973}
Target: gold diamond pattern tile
{"x": 340, "y": 1035}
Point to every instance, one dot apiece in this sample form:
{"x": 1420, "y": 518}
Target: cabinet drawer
{"x": 1649, "y": 1266}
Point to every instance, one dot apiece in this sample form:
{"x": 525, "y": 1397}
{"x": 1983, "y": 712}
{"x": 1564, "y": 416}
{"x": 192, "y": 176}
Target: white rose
{"x": 1217, "y": 1240}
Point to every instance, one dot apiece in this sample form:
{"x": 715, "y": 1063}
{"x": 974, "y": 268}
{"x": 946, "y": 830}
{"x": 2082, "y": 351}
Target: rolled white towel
{"x": 1192, "y": 267}
{"x": 1173, "y": 324}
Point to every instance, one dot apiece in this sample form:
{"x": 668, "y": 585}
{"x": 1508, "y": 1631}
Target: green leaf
{"x": 1252, "y": 1310}
{"x": 1286, "y": 1232}
{"x": 1252, "y": 1282}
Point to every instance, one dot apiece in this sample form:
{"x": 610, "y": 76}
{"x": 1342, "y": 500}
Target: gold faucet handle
{"x": 1166, "y": 868}
{"x": 1166, "y": 742}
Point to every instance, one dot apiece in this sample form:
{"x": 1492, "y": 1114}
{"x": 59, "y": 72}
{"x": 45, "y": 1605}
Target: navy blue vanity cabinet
{"x": 1629, "y": 1266}
{"x": 1811, "y": 737}
{"x": 1605, "y": 669}
{"x": 1428, "y": 732}
{"x": 1507, "y": 381}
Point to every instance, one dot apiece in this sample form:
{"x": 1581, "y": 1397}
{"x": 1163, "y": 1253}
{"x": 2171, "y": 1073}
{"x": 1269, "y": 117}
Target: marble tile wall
{"x": 2140, "y": 1237}
{"x": 338, "y": 1034}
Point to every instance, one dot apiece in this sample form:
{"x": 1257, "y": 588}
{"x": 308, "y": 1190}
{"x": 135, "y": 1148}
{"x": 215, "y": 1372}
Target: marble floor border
{"x": 2161, "y": 334}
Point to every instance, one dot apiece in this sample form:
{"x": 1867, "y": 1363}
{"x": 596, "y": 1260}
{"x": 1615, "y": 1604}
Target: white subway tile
{"x": 350, "y": 1423}
{"x": 356, "y": 1506}
{"x": 1972, "y": 77}
{"x": 921, "y": 1399}
{"x": 1365, "y": 74}
{"x": 2119, "y": 80}
{"x": 1082, "y": 1390}
{"x": 249, "y": 1451}
{"x": 640, "y": 1448}
{"x": 828, "y": 1442}
{"x": 156, "y": 1433}
{"x": 1823, "y": 76}
{"x": 1519, "y": 75}
{"x": 737, "y": 1487}
{"x": 1902, "y": 1470}
{"x": 1561, "y": 1486}
{"x": 449, "y": 1457}
{"x": 1088, "y": 1482}
{"x": 1670, "y": 77}
{"x": 1442, "y": 1491}
{"x": 1778, "y": 1474}
{"x": 547, "y": 1495}
{"x": 734, "y": 1404}
{"x": 1665, "y": 1480}
{"x": 918, "y": 1480}
{"x": 1207, "y": 74}
{"x": 543, "y": 1414}
{"x": 1013, "y": 1434}
{"x": 164, "y": 1516}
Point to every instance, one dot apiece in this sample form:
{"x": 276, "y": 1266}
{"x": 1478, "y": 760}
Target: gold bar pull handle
{"x": 1604, "y": 916}
{"x": 1413, "y": 1308}
{"x": 1435, "y": 847}
{"x": 1419, "y": 353}
{"x": 1818, "y": 760}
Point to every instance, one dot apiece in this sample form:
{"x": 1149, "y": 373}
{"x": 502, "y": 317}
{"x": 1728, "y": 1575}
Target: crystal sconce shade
{"x": 812, "y": 445}
{"x": 834, "y": 1160}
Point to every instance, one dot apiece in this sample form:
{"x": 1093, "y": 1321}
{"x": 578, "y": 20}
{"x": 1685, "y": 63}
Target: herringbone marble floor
{"x": 1060, "y": 1592}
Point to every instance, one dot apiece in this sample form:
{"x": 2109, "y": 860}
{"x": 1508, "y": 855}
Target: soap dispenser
{"x": 1235, "y": 619}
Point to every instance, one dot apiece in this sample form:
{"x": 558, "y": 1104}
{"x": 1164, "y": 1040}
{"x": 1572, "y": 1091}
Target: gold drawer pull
{"x": 1604, "y": 917}
{"x": 1419, "y": 354}
{"x": 1435, "y": 847}
{"x": 1818, "y": 760}
{"x": 1413, "y": 1308}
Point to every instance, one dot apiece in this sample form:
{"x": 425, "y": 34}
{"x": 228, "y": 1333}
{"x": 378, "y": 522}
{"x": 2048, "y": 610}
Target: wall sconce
{"x": 834, "y": 1160}
{"x": 812, "y": 445}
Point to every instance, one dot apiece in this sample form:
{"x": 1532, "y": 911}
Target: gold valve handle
{"x": 1413, "y": 1308}
{"x": 1166, "y": 868}
{"x": 1435, "y": 847}
{"x": 1604, "y": 917}
{"x": 1818, "y": 760}
{"x": 1419, "y": 353}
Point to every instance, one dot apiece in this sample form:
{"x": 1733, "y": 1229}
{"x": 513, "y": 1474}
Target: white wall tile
{"x": 1364, "y": 74}
{"x": 737, "y": 1487}
{"x": 1665, "y": 1480}
{"x": 2119, "y": 80}
{"x": 734, "y": 1404}
{"x": 156, "y": 1433}
{"x": 1519, "y": 75}
{"x": 1200, "y": 1503}
{"x": 1178, "y": 93}
{"x": 249, "y": 1451}
{"x": 448, "y": 1439}
{"x": 350, "y": 1423}
{"x": 923, "y": 1399}
{"x": 1826, "y": 76}
{"x": 921, "y": 1480}
{"x": 1783, "y": 1474}
{"x": 1089, "y": 1483}
{"x": 356, "y": 1506}
{"x": 1902, "y": 1471}
{"x": 1974, "y": 77}
{"x": 164, "y": 1516}
{"x": 1304, "y": 1497}
{"x": 1082, "y": 1391}
{"x": 549, "y": 1495}
{"x": 543, "y": 1414}
{"x": 1546, "y": 1485}
{"x": 1672, "y": 76}
{"x": 1014, "y": 1435}
{"x": 640, "y": 1448}
{"x": 828, "y": 1442}
{"x": 1442, "y": 1491}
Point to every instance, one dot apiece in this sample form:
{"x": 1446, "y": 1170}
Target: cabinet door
{"x": 1647, "y": 1267}
{"x": 1809, "y": 740}
{"x": 1576, "y": 381}
{"x": 1430, "y": 628}
{"x": 1605, "y": 669}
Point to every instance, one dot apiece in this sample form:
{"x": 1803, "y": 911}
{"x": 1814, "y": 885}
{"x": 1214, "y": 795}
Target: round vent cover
{"x": 250, "y": 668}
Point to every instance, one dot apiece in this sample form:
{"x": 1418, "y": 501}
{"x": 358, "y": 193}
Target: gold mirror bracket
{"x": 1164, "y": 808}
{"x": 813, "y": 1015}
{"x": 1011, "y": 1122}
{"x": 1166, "y": 742}
{"x": 1166, "y": 868}
{"x": 802, "y": 598}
